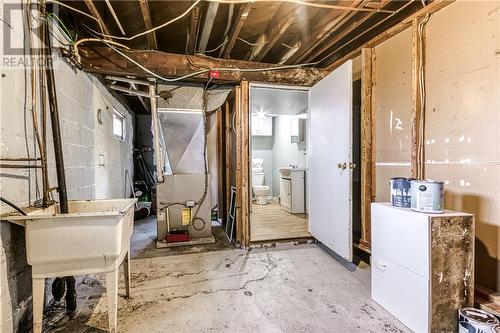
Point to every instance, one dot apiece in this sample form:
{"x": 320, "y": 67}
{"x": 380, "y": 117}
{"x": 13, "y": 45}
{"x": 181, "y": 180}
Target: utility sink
{"x": 286, "y": 171}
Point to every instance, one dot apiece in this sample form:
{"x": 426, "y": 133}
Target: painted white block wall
{"x": 80, "y": 96}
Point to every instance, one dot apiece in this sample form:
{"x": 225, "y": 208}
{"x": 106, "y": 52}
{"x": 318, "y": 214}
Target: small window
{"x": 118, "y": 125}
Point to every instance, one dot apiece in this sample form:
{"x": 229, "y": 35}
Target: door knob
{"x": 342, "y": 166}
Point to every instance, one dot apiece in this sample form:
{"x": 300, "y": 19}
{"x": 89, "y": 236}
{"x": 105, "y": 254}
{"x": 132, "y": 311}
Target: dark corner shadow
{"x": 18, "y": 274}
{"x": 89, "y": 290}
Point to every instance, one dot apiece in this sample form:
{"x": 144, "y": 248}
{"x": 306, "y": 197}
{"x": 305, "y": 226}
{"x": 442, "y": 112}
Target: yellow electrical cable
{"x": 310, "y": 4}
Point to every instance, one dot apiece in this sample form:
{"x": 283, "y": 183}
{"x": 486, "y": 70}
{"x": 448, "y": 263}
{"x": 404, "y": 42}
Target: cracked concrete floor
{"x": 291, "y": 289}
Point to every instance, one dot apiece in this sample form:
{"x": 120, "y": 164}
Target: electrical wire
{"x": 13, "y": 206}
{"x": 149, "y": 30}
{"x": 364, "y": 32}
{"x": 421, "y": 73}
{"x": 151, "y": 72}
{"x": 250, "y": 43}
{"x": 301, "y": 2}
{"x": 309, "y": 4}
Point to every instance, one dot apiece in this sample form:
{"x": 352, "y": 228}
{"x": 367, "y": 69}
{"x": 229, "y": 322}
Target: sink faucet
{"x": 293, "y": 166}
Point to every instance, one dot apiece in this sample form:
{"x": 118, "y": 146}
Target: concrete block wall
{"x": 80, "y": 97}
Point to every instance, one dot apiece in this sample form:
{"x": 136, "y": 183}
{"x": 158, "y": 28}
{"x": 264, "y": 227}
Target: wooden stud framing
{"x": 241, "y": 15}
{"x": 367, "y": 141}
{"x": 146, "y": 15}
{"x": 416, "y": 119}
{"x": 243, "y": 165}
{"x": 93, "y": 10}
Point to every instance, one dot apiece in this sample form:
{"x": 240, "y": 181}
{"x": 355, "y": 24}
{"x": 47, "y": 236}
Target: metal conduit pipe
{"x": 130, "y": 90}
{"x": 20, "y": 166}
{"x": 125, "y": 79}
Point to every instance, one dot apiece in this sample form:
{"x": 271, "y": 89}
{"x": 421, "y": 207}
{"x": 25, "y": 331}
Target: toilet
{"x": 260, "y": 190}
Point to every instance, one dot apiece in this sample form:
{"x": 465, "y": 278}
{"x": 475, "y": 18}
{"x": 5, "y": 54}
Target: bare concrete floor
{"x": 290, "y": 289}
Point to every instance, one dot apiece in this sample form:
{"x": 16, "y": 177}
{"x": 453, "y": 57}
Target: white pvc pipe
{"x": 156, "y": 133}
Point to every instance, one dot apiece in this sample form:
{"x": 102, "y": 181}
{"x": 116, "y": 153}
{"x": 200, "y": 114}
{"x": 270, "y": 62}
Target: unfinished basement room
{"x": 250, "y": 166}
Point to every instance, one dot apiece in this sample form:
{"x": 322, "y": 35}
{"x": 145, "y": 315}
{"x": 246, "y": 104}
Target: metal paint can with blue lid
{"x": 401, "y": 192}
{"x": 427, "y": 196}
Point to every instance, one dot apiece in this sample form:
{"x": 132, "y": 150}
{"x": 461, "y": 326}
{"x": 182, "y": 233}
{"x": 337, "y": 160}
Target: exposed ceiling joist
{"x": 117, "y": 21}
{"x": 276, "y": 27}
{"x": 322, "y": 30}
{"x": 241, "y": 17}
{"x": 93, "y": 10}
{"x": 339, "y": 34}
{"x": 208, "y": 24}
{"x": 146, "y": 16}
{"x": 104, "y": 60}
{"x": 394, "y": 30}
{"x": 192, "y": 34}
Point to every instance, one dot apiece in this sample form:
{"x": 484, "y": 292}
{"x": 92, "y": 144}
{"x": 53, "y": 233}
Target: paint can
{"x": 400, "y": 192}
{"x": 472, "y": 320}
{"x": 427, "y": 196}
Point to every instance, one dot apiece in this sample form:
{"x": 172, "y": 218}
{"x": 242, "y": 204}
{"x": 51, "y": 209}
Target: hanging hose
{"x": 13, "y": 206}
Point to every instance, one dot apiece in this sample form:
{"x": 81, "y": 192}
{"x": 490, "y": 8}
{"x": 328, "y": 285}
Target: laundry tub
{"x": 93, "y": 237}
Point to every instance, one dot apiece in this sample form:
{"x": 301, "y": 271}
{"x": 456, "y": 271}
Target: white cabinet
{"x": 262, "y": 126}
{"x": 422, "y": 265}
{"x": 292, "y": 191}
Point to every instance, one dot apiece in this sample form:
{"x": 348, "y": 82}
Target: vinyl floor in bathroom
{"x": 270, "y": 222}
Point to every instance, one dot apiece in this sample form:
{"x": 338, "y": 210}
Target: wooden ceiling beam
{"x": 341, "y": 33}
{"x": 104, "y": 60}
{"x": 93, "y": 10}
{"x": 208, "y": 24}
{"x": 146, "y": 16}
{"x": 322, "y": 30}
{"x": 241, "y": 17}
{"x": 276, "y": 27}
{"x": 192, "y": 35}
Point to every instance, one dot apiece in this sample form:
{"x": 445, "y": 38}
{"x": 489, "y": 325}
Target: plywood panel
{"x": 463, "y": 120}
{"x": 392, "y": 108}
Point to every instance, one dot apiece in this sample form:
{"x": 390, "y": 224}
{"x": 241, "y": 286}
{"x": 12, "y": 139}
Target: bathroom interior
{"x": 278, "y": 140}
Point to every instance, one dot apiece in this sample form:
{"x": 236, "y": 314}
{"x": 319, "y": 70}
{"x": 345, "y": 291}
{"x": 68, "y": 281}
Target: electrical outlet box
{"x": 101, "y": 160}
{"x": 161, "y": 216}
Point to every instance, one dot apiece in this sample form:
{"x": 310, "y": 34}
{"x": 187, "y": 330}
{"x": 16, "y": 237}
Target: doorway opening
{"x": 278, "y": 163}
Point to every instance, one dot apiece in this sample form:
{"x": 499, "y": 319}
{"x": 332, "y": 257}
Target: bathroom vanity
{"x": 292, "y": 189}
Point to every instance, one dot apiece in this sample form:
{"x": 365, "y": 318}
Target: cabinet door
{"x": 285, "y": 192}
{"x": 267, "y": 126}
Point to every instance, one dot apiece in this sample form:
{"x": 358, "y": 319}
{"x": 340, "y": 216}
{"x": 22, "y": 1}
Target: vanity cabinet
{"x": 262, "y": 126}
{"x": 292, "y": 190}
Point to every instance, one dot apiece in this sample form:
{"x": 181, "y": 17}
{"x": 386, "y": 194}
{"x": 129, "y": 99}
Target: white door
{"x": 330, "y": 150}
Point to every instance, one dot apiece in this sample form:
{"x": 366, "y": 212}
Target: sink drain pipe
{"x": 59, "y": 285}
